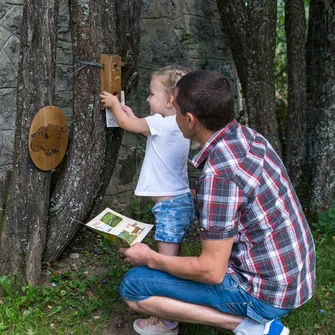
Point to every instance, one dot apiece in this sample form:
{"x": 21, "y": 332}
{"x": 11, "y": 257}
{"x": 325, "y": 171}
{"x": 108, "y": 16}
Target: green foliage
{"x": 317, "y": 315}
{"x": 281, "y": 79}
{"x": 9, "y": 287}
{"x": 135, "y": 208}
{"x": 325, "y": 225}
{"x": 37, "y": 310}
{"x": 115, "y": 270}
{"x": 142, "y": 211}
{"x": 281, "y": 51}
{"x": 281, "y": 83}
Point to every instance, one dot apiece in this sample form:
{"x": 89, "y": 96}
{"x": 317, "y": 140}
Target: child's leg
{"x": 169, "y": 249}
{"x": 173, "y": 218}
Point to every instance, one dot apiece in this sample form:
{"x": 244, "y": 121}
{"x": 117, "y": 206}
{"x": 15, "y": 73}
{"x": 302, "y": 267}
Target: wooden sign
{"x": 110, "y": 74}
{"x": 48, "y": 138}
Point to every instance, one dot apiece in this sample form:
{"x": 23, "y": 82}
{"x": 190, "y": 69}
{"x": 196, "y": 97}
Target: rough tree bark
{"x": 320, "y": 132}
{"x": 32, "y": 228}
{"x": 295, "y": 27}
{"x": 25, "y": 206}
{"x": 251, "y": 30}
{"x": 98, "y": 27}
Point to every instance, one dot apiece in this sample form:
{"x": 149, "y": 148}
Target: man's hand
{"x": 109, "y": 100}
{"x": 138, "y": 254}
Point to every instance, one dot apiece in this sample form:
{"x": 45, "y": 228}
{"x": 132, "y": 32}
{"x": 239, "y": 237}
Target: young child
{"x": 163, "y": 174}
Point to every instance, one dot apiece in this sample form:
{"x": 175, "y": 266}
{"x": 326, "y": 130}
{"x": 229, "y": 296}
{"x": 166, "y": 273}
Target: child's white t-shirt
{"x": 164, "y": 169}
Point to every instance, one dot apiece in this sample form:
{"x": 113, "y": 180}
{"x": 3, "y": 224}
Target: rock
{"x": 73, "y": 267}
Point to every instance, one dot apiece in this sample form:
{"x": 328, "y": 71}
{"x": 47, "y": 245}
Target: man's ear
{"x": 191, "y": 120}
{"x": 169, "y": 101}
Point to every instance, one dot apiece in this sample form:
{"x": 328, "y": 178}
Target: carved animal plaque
{"x": 48, "y": 138}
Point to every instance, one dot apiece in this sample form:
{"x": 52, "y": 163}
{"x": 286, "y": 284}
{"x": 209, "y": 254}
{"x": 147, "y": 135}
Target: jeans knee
{"x": 131, "y": 287}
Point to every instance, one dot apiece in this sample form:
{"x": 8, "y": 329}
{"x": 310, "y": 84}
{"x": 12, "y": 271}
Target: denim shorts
{"x": 141, "y": 283}
{"x": 173, "y": 218}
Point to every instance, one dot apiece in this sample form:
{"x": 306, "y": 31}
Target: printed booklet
{"x": 117, "y": 228}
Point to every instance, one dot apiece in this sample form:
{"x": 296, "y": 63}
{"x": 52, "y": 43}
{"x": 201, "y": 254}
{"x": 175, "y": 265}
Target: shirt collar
{"x": 202, "y": 155}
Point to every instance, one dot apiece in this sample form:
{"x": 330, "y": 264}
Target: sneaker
{"x": 275, "y": 327}
{"x": 153, "y": 326}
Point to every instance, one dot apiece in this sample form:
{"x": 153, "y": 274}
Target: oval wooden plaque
{"x": 48, "y": 138}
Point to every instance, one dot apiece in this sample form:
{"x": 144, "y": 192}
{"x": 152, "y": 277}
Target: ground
{"x": 88, "y": 253}
{"x": 85, "y": 252}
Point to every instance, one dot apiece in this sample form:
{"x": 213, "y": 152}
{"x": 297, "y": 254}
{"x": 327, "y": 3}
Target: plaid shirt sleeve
{"x": 219, "y": 201}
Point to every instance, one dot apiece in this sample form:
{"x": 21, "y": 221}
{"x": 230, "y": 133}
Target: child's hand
{"x": 109, "y": 100}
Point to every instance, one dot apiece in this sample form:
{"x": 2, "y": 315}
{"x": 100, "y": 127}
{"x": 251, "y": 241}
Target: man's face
{"x": 181, "y": 119}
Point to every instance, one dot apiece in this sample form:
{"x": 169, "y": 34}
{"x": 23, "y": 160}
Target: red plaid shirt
{"x": 244, "y": 192}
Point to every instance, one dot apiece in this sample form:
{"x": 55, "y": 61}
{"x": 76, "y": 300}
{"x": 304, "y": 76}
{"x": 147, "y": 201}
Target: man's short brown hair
{"x": 207, "y": 95}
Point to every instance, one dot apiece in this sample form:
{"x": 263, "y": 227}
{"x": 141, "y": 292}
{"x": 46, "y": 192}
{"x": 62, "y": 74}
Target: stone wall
{"x": 10, "y": 25}
{"x": 187, "y": 33}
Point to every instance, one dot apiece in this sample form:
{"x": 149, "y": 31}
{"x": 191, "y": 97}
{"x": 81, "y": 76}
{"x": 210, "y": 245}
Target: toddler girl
{"x": 163, "y": 175}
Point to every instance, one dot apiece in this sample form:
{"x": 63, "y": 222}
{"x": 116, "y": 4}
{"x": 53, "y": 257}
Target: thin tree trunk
{"x": 24, "y": 227}
{"x": 93, "y": 152}
{"x": 4, "y": 185}
{"x": 295, "y": 26}
{"x": 251, "y": 30}
{"x": 320, "y": 138}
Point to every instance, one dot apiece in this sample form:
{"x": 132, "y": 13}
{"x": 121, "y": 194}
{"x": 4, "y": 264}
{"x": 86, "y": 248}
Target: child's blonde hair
{"x": 169, "y": 77}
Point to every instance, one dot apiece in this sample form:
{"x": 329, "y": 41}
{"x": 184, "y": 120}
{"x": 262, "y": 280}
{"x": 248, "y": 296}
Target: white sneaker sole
{"x": 143, "y": 332}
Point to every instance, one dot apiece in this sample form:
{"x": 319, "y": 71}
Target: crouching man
{"x": 257, "y": 261}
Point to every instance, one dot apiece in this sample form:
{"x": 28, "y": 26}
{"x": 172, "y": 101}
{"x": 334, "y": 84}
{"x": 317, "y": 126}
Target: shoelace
{"x": 153, "y": 320}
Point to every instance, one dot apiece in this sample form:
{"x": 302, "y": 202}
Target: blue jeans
{"x": 141, "y": 283}
{"x": 173, "y": 218}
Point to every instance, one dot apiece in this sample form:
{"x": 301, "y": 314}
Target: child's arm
{"x": 130, "y": 113}
{"x": 125, "y": 119}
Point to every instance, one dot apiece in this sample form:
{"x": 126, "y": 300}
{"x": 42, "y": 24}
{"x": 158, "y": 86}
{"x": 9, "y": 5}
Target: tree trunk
{"x": 29, "y": 222}
{"x": 99, "y": 27}
{"x": 4, "y": 185}
{"x": 24, "y": 227}
{"x": 251, "y": 30}
{"x": 320, "y": 139}
{"x": 295, "y": 27}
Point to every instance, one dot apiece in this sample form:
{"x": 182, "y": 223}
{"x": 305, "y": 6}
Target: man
{"x": 258, "y": 258}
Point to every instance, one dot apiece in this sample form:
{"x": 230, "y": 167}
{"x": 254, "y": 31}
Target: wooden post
{"x": 110, "y": 74}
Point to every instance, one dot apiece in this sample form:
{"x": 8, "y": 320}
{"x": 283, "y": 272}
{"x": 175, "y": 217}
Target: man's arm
{"x": 210, "y": 267}
{"x": 124, "y": 119}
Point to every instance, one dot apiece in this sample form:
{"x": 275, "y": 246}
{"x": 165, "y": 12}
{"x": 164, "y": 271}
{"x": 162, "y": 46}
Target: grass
{"x": 79, "y": 305}
{"x": 40, "y": 310}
